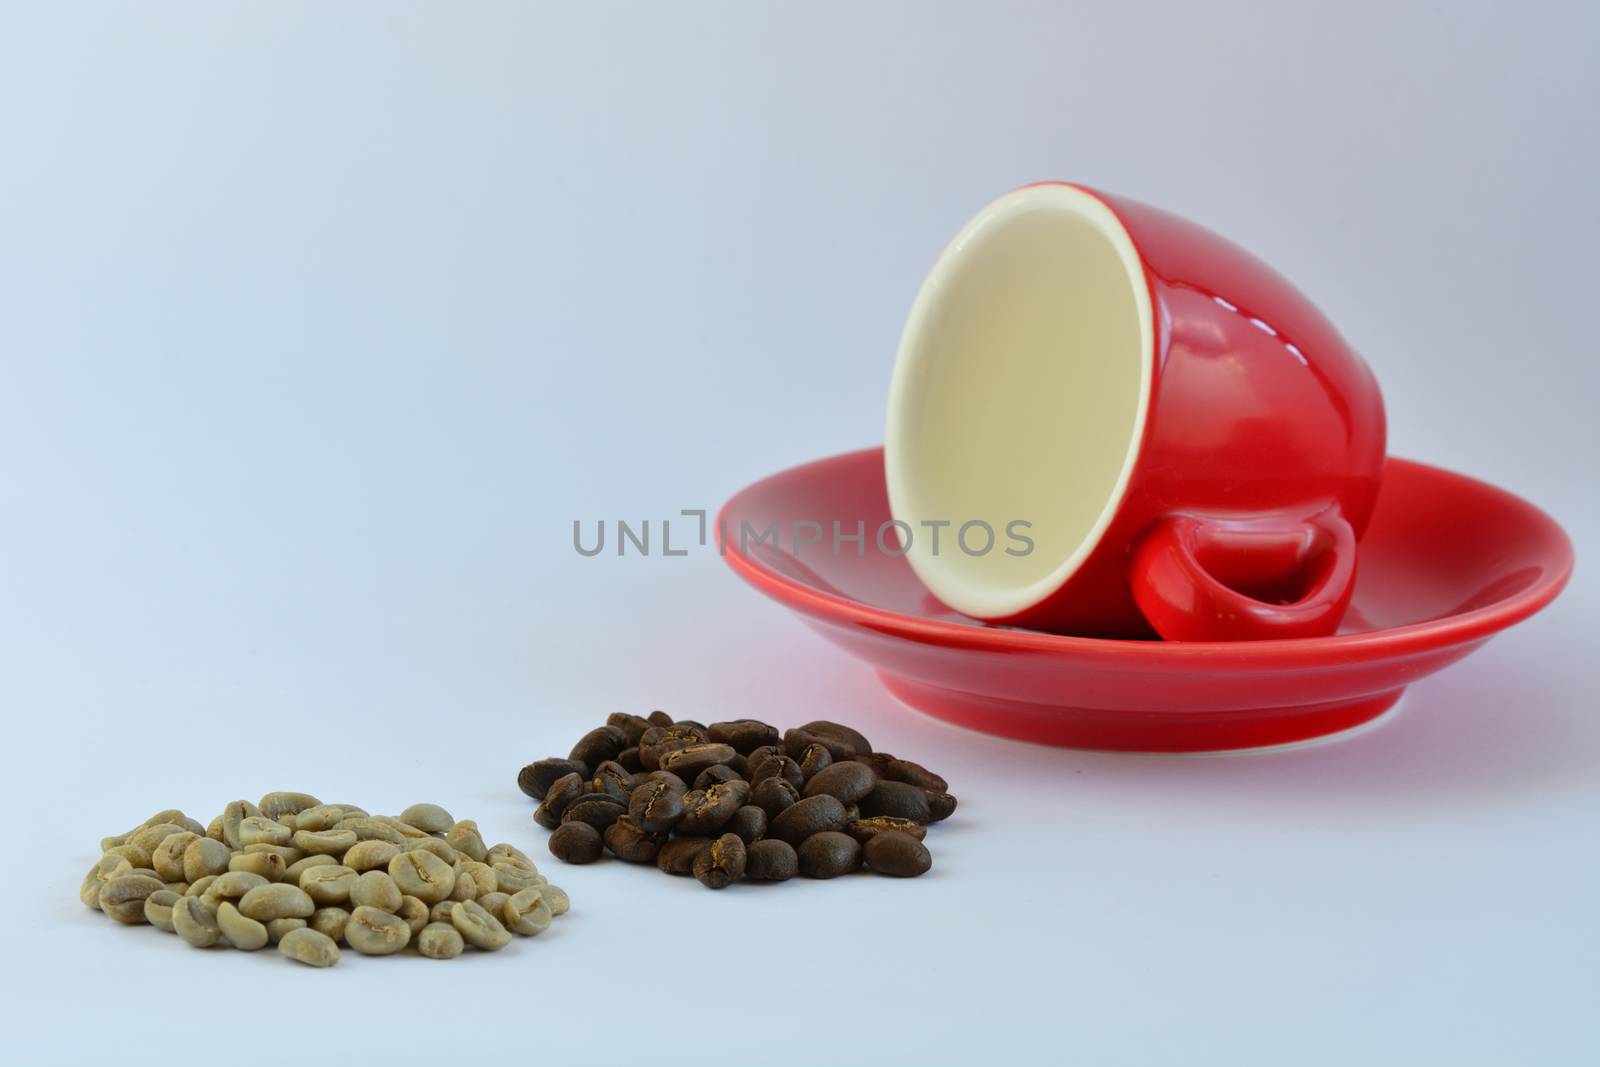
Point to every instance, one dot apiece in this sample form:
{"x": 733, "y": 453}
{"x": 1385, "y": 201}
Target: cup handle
{"x": 1190, "y": 574}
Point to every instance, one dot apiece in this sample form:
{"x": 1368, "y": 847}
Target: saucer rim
{"x": 1384, "y": 642}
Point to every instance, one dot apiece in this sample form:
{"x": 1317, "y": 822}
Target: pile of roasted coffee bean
{"x": 737, "y": 800}
{"x": 307, "y": 876}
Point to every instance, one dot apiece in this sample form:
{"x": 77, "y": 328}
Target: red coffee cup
{"x": 1161, "y": 434}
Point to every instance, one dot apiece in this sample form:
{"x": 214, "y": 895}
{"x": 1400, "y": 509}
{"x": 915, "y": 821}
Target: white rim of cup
{"x": 966, "y": 596}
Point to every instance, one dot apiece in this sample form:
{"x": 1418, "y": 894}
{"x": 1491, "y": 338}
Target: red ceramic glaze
{"x": 1258, "y": 466}
{"x": 1446, "y": 562}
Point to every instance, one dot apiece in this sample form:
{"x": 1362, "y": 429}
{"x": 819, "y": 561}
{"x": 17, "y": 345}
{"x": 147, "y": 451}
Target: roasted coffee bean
{"x": 659, "y": 718}
{"x": 898, "y": 799}
{"x": 903, "y": 770}
{"x": 632, "y": 726}
{"x": 778, "y": 767}
{"x": 744, "y": 735}
{"x": 773, "y": 795}
{"x": 839, "y": 747}
{"x": 598, "y": 745}
{"x": 841, "y": 734}
{"x": 596, "y": 809}
{"x": 861, "y": 829}
{"x": 629, "y": 841}
{"x": 656, "y": 806}
{"x": 721, "y": 863}
{"x": 897, "y": 854}
{"x": 805, "y": 818}
{"x": 709, "y": 777}
{"x": 815, "y": 758}
{"x": 940, "y": 806}
{"x": 771, "y": 860}
{"x": 657, "y": 742}
{"x": 695, "y": 725}
{"x": 847, "y": 781}
{"x": 677, "y": 855}
{"x": 611, "y": 779}
{"x": 706, "y": 811}
{"x": 536, "y": 778}
{"x": 878, "y": 761}
{"x": 628, "y": 760}
{"x": 749, "y": 823}
{"x": 576, "y": 842}
{"x": 753, "y": 759}
{"x": 828, "y": 854}
{"x": 545, "y": 818}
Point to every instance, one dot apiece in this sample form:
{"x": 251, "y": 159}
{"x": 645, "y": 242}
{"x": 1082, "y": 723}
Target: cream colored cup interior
{"x": 1019, "y": 396}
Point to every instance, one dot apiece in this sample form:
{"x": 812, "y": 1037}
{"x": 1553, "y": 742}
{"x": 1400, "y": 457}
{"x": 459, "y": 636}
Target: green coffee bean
{"x": 477, "y": 927}
{"x": 436, "y": 846}
{"x": 311, "y": 947}
{"x": 288, "y": 853}
{"x": 277, "y": 805}
{"x": 493, "y": 903}
{"x": 299, "y": 867}
{"x": 179, "y": 887}
{"x": 321, "y": 817}
{"x": 367, "y": 828}
{"x": 277, "y": 901}
{"x": 440, "y": 941}
{"x": 158, "y": 909}
{"x": 232, "y": 815}
{"x": 167, "y": 859}
{"x": 269, "y": 866}
{"x": 260, "y": 830}
{"x": 278, "y": 929}
{"x": 423, "y": 875}
{"x": 375, "y": 889}
{"x": 150, "y": 837}
{"x": 412, "y": 912}
{"x": 195, "y": 922}
{"x": 403, "y": 828}
{"x": 232, "y": 886}
{"x": 465, "y": 839}
{"x": 481, "y": 875}
{"x": 136, "y": 856}
{"x": 123, "y": 897}
{"x": 203, "y": 856}
{"x": 330, "y": 921}
{"x": 325, "y": 842}
{"x": 504, "y": 853}
{"x": 241, "y": 931}
{"x": 513, "y": 878}
{"x": 556, "y": 897}
{"x": 328, "y": 885}
{"x": 200, "y": 886}
{"x": 113, "y": 841}
{"x": 376, "y": 933}
{"x": 370, "y": 855}
{"x": 429, "y": 818}
{"x": 440, "y": 912}
{"x": 526, "y": 913}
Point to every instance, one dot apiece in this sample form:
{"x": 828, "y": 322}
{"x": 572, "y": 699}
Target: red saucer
{"x": 1446, "y": 563}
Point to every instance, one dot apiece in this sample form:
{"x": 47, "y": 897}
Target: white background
{"x": 320, "y": 324}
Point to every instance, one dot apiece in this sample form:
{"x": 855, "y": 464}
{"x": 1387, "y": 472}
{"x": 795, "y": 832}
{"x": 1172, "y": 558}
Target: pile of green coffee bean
{"x": 306, "y": 876}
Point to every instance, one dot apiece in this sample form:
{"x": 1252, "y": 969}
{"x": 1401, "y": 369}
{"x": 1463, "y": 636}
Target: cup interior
{"x": 1018, "y": 400}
